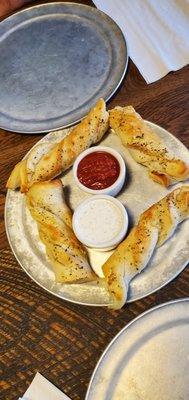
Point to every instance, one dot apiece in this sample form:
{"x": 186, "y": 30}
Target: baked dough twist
{"x": 146, "y": 147}
{"x": 52, "y": 162}
{"x": 155, "y": 226}
{"x": 68, "y": 257}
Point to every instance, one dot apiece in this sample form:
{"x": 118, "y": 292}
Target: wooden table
{"x": 41, "y": 333}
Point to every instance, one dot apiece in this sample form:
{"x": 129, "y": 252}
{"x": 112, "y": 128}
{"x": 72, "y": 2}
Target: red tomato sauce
{"x": 98, "y": 170}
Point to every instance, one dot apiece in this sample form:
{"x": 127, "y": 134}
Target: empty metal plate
{"x": 57, "y": 59}
{"x": 148, "y": 359}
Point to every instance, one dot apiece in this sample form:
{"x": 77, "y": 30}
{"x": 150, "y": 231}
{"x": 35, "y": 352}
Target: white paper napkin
{"x": 42, "y": 389}
{"x": 157, "y": 33}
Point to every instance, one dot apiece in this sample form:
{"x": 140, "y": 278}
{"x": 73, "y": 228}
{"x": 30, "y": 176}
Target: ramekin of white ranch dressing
{"x": 100, "y": 222}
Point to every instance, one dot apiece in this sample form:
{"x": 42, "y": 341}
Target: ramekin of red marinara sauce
{"x": 100, "y": 170}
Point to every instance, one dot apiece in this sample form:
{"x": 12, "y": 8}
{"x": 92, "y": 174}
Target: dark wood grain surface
{"x": 39, "y": 332}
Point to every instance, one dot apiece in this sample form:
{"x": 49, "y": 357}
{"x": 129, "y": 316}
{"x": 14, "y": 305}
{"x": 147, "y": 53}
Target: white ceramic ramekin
{"x": 100, "y": 222}
{"x": 112, "y": 190}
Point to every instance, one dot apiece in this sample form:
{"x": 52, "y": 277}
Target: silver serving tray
{"x": 138, "y": 194}
{"x": 148, "y": 359}
{"x": 57, "y": 59}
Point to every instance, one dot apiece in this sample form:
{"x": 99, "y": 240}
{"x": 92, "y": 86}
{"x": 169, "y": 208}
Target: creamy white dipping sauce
{"x": 100, "y": 222}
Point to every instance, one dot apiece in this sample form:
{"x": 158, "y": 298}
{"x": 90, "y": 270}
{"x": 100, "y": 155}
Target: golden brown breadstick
{"x": 146, "y": 147}
{"x": 68, "y": 257}
{"x": 62, "y": 155}
{"x": 155, "y": 226}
